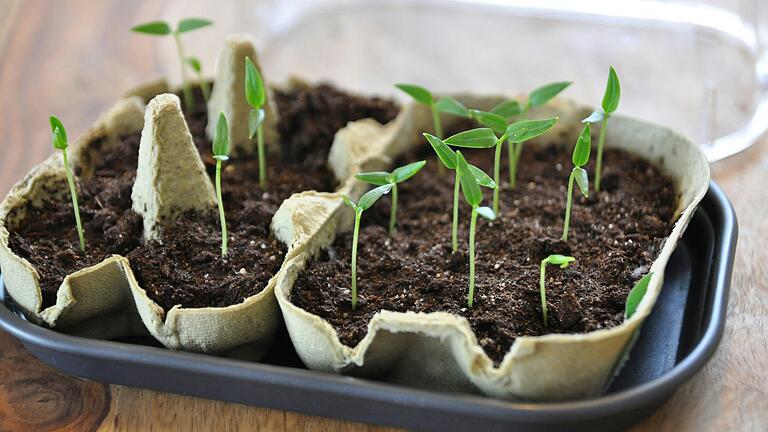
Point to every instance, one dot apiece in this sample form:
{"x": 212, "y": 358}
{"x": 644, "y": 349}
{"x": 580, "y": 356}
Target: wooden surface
{"x": 74, "y": 58}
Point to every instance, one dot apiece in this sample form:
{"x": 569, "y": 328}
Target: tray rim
{"x": 715, "y": 203}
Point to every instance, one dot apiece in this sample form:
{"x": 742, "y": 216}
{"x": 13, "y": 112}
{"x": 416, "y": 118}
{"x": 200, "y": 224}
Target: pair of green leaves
{"x": 560, "y": 260}
{"x": 162, "y": 28}
{"x": 581, "y": 157}
{"x": 445, "y": 104}
{"x": 398, "y": 175}
{"x": 611, "y": 99}
{"x": 221, "y": 139}
{"x": 59, "y": 133}
{"x": 448, "y": 157}
{"x": 369, "y": 198}
{"x": 255, "y": 95}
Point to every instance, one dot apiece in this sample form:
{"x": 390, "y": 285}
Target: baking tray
{"x": 671, "y": 348}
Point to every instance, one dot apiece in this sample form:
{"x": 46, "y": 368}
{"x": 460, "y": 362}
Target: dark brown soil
{"x": 187, "y": 268}
{"x": 615, "y": 235}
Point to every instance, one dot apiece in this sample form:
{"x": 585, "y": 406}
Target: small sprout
{"x": 364, "y": 203}
{"x": 474, "y": 197}
{"x": 636, "y": 295}
{"x": 256, "y": 96}
{"x": 443, "y": 105}
{"x": 162, "y": 28}
{"x": 399, "y": 175}
{"x": 221, "y": 154}
{"x": 580, "y": 158}
{"x": 205, "y": 87}
{"x": 448, "y": 158}
{"x": 59, "y": 140}
{"x": 610, "y": 104}
{"x": 560, "y": 260}
{"x": 517, "y": 133}
{"x": 537, "y": 98}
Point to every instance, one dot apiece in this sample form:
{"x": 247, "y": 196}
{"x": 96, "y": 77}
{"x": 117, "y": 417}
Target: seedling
{"x": 636, "y": 295}
{"x": 508, "y": 109}
{"x": 196, "y": 66}
{"x": 443, "y": 105}
{"x": 560, "y": 260}
{"x": 448, "y": 158}
{"x": 517, "y": 132}
{"x": 221, "y": 154}
{"x": 59, "y": 140}
{"x": 364, "y": 203}
{"x": 399, "y": 175}
{"x": 580, "y": 158}
{"x": 610, "y": 104}
{"x": 256, "y": 96}
{"x": 474, "y": 197}
{"x": 162, "y": 28}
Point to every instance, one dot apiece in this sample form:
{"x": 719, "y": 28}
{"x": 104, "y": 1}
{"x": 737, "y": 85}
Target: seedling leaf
{"x": 221, "y": 139}
{"x": 403, "y": 173}
{"x": 255, "y": 118}
{"x": 349, "y": 202}
{"x": 528, "y": 129}
{"x": 481, "y": 177}
{"x": 636, "y": 295}
{"x": 418, "y": 93}
{"x": 580, "y": 175}
{"x": 473, "y": 138}
{"x": 254, "y": 85}
{"x": 375, "y": 178}
{"x": 59, "y": 133}
{"x": 373, "y": 195}
{"x": 508, "y": 109}
{"x": 612, "y": 92}
{"x": 469, "y": 186}
{"x": 596, "y": 117}
{"x": 189, "y": 24}
{"x": 561, "y": 260}
{"x": 583, "y": 146}
{"x": 446, "y": 154}
{"x": 157, "y": 28}
{"x": 543, "y": 94}
{"x": 486, "y": 212}
{"x": 450, "y": 105}
{"x": 488, "y": 119}
{"x": 194, "y": 63}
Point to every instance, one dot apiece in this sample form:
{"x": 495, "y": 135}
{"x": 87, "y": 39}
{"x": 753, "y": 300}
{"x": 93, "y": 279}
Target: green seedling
{"x": 580, "y": 158}
{"x": 474, "y": 197}
{"x": 196, "y": 66}
{"x": 448, "y": 158}
{"x": 446, "y": 104}
{"x": 610, "y": 104}
{"x": 221, "y": 154}
{"x": 162, "y": 28}
{"x": 59, "y": 140}
{"x": 256, "y": 96}
{"x": 399, "y": 175}
{"x": 512, "y": 108}
{"x": 636, "y": 295}
{"x": 560, "y": 260}
{"x": 364, "y": 203}
{"x": 517, "y": 133}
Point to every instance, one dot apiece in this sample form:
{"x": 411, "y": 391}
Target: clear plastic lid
{"x": 695, "y": 67}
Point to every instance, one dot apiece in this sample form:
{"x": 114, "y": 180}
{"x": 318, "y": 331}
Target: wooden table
{"x": 74, "y": 59}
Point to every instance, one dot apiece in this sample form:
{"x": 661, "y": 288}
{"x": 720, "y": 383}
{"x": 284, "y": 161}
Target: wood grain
{"x": 77, "y": 58}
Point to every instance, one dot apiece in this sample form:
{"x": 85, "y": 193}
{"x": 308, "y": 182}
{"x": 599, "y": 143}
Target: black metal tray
{"x": 671, "y": 348}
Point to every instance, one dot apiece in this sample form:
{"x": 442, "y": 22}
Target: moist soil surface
{"x": 186, "y": 267}
{"x": 615, "y": 235}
